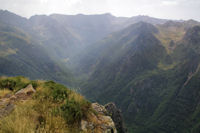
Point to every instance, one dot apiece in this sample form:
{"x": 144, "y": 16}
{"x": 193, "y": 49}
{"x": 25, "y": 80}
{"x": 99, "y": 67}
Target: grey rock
{"x": 27, "y": 91}
{"x": 99, "y": 108}
{"x": 116, "y": 116}
{"x": 84, "y": 125}
{"x": 8, "y": 107}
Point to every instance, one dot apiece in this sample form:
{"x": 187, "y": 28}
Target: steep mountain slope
{"x": 151, "y": 71}
{"x": 179, "y": 110}
{"x": 56, "y": 38}
{"x": 90, "y": 28}
{"x": 120, "y": 44}
{"x": 171, "y": 32}
{"x": 135, "y": 52}
{"x": 147, "y": 19}
{"x": 20, "y": 55}
{"x": 64, "y": 36}
{"x": 10, "y": 18}
{"x": 156, "y": 90}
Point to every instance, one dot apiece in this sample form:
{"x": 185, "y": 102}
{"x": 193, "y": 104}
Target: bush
{"x": 58, "y": 92}
{"x": 7, "y": 84}
{"x": 74, "y": 111}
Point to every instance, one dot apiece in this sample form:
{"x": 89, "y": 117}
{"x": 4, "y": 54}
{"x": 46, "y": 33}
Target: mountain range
{"x": 148, "y": 67}
{"x": 155, "y": 85}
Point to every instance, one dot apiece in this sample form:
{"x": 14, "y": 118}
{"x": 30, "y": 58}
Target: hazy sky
{"x": 170, "y": 9}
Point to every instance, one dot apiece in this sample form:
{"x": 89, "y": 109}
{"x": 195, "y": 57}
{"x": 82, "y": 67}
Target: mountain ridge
{"x": 148, "y": 67}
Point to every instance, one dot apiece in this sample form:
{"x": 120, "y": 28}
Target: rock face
{"x": 116, "y": 116}
{"x": 27, "y": 91}
{"x": 99, "y": 108}
{"x": 100, "y": 121}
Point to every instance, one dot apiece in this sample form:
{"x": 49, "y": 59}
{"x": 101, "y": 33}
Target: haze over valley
{"x": 146, "y": 68}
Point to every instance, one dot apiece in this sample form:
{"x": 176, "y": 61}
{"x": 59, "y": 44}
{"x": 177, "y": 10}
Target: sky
{"x": 168, "y": 9}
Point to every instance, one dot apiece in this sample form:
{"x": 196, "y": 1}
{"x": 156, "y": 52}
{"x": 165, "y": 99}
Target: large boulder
{"x": 25, "y": 92}
{"x": 100, "y": 122}
{"x": 116, "y": 116}
{"x": 7, "y": 103}
{"x": 99, "y": 108}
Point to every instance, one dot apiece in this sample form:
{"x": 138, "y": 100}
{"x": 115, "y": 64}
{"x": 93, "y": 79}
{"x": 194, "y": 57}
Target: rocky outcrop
{"x": 99, "y": 121}
{"x": 116, "y": 116}
{"x": 26, "y": 91}
{"x": 5, "y": 107}
{"x": 99, "y": 108}
{"x": 7, "y": 103}
{"x": 102, "y": 119}
{"x": 108, "y": 119}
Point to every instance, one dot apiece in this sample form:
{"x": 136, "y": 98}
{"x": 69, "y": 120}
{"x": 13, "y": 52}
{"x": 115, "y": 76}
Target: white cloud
{"x": 43, "y": 1}
{"x": 70, "y": 2}
{"x": 169, "y": 3}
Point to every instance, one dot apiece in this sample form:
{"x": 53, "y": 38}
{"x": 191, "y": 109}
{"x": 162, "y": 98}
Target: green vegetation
{"x": 53, "y": 108}
{"x": 157, "y": 90}
{"x": 150, "y": 71}
{"x": 21, "y": 55}
{"x": 74, "y": 111}
{"x": 16, "y": 83}
{"x": 170, "y": 35}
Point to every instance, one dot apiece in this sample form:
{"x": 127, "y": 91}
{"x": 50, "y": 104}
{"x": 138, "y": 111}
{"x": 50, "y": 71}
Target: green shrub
{"x": 74, "y": 111}
{"x": 7, "y": 84}
{"x": 58, "y": 92}
{"x": 21, "y": 82}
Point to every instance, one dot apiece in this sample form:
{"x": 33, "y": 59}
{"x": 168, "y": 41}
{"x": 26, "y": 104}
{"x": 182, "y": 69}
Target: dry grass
{"x": 4, "y": 92}
{"x": 166, "y": 35}
{"x": 40, "y": 114}
{"x": 21, "y": 120}
{"x": 25, "y": 119}
{"x": 77, "y": 97}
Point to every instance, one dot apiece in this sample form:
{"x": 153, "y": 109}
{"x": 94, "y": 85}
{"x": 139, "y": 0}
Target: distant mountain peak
{"x": 147, "y": 19}
{"x": 108, "y": 14}
{"x": 142, "y": 16}
{"x": 171, "y": 23}
{"x": 9, "y": 14}
{"x": 192, "y": 20}
{"x": 5, "y": 11}
{"x": 10, "y": 18}
{"x": 143, "y": 27}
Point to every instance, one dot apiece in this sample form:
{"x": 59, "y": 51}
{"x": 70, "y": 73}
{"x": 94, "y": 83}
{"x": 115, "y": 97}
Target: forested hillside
{"x": 149, "y": 67}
